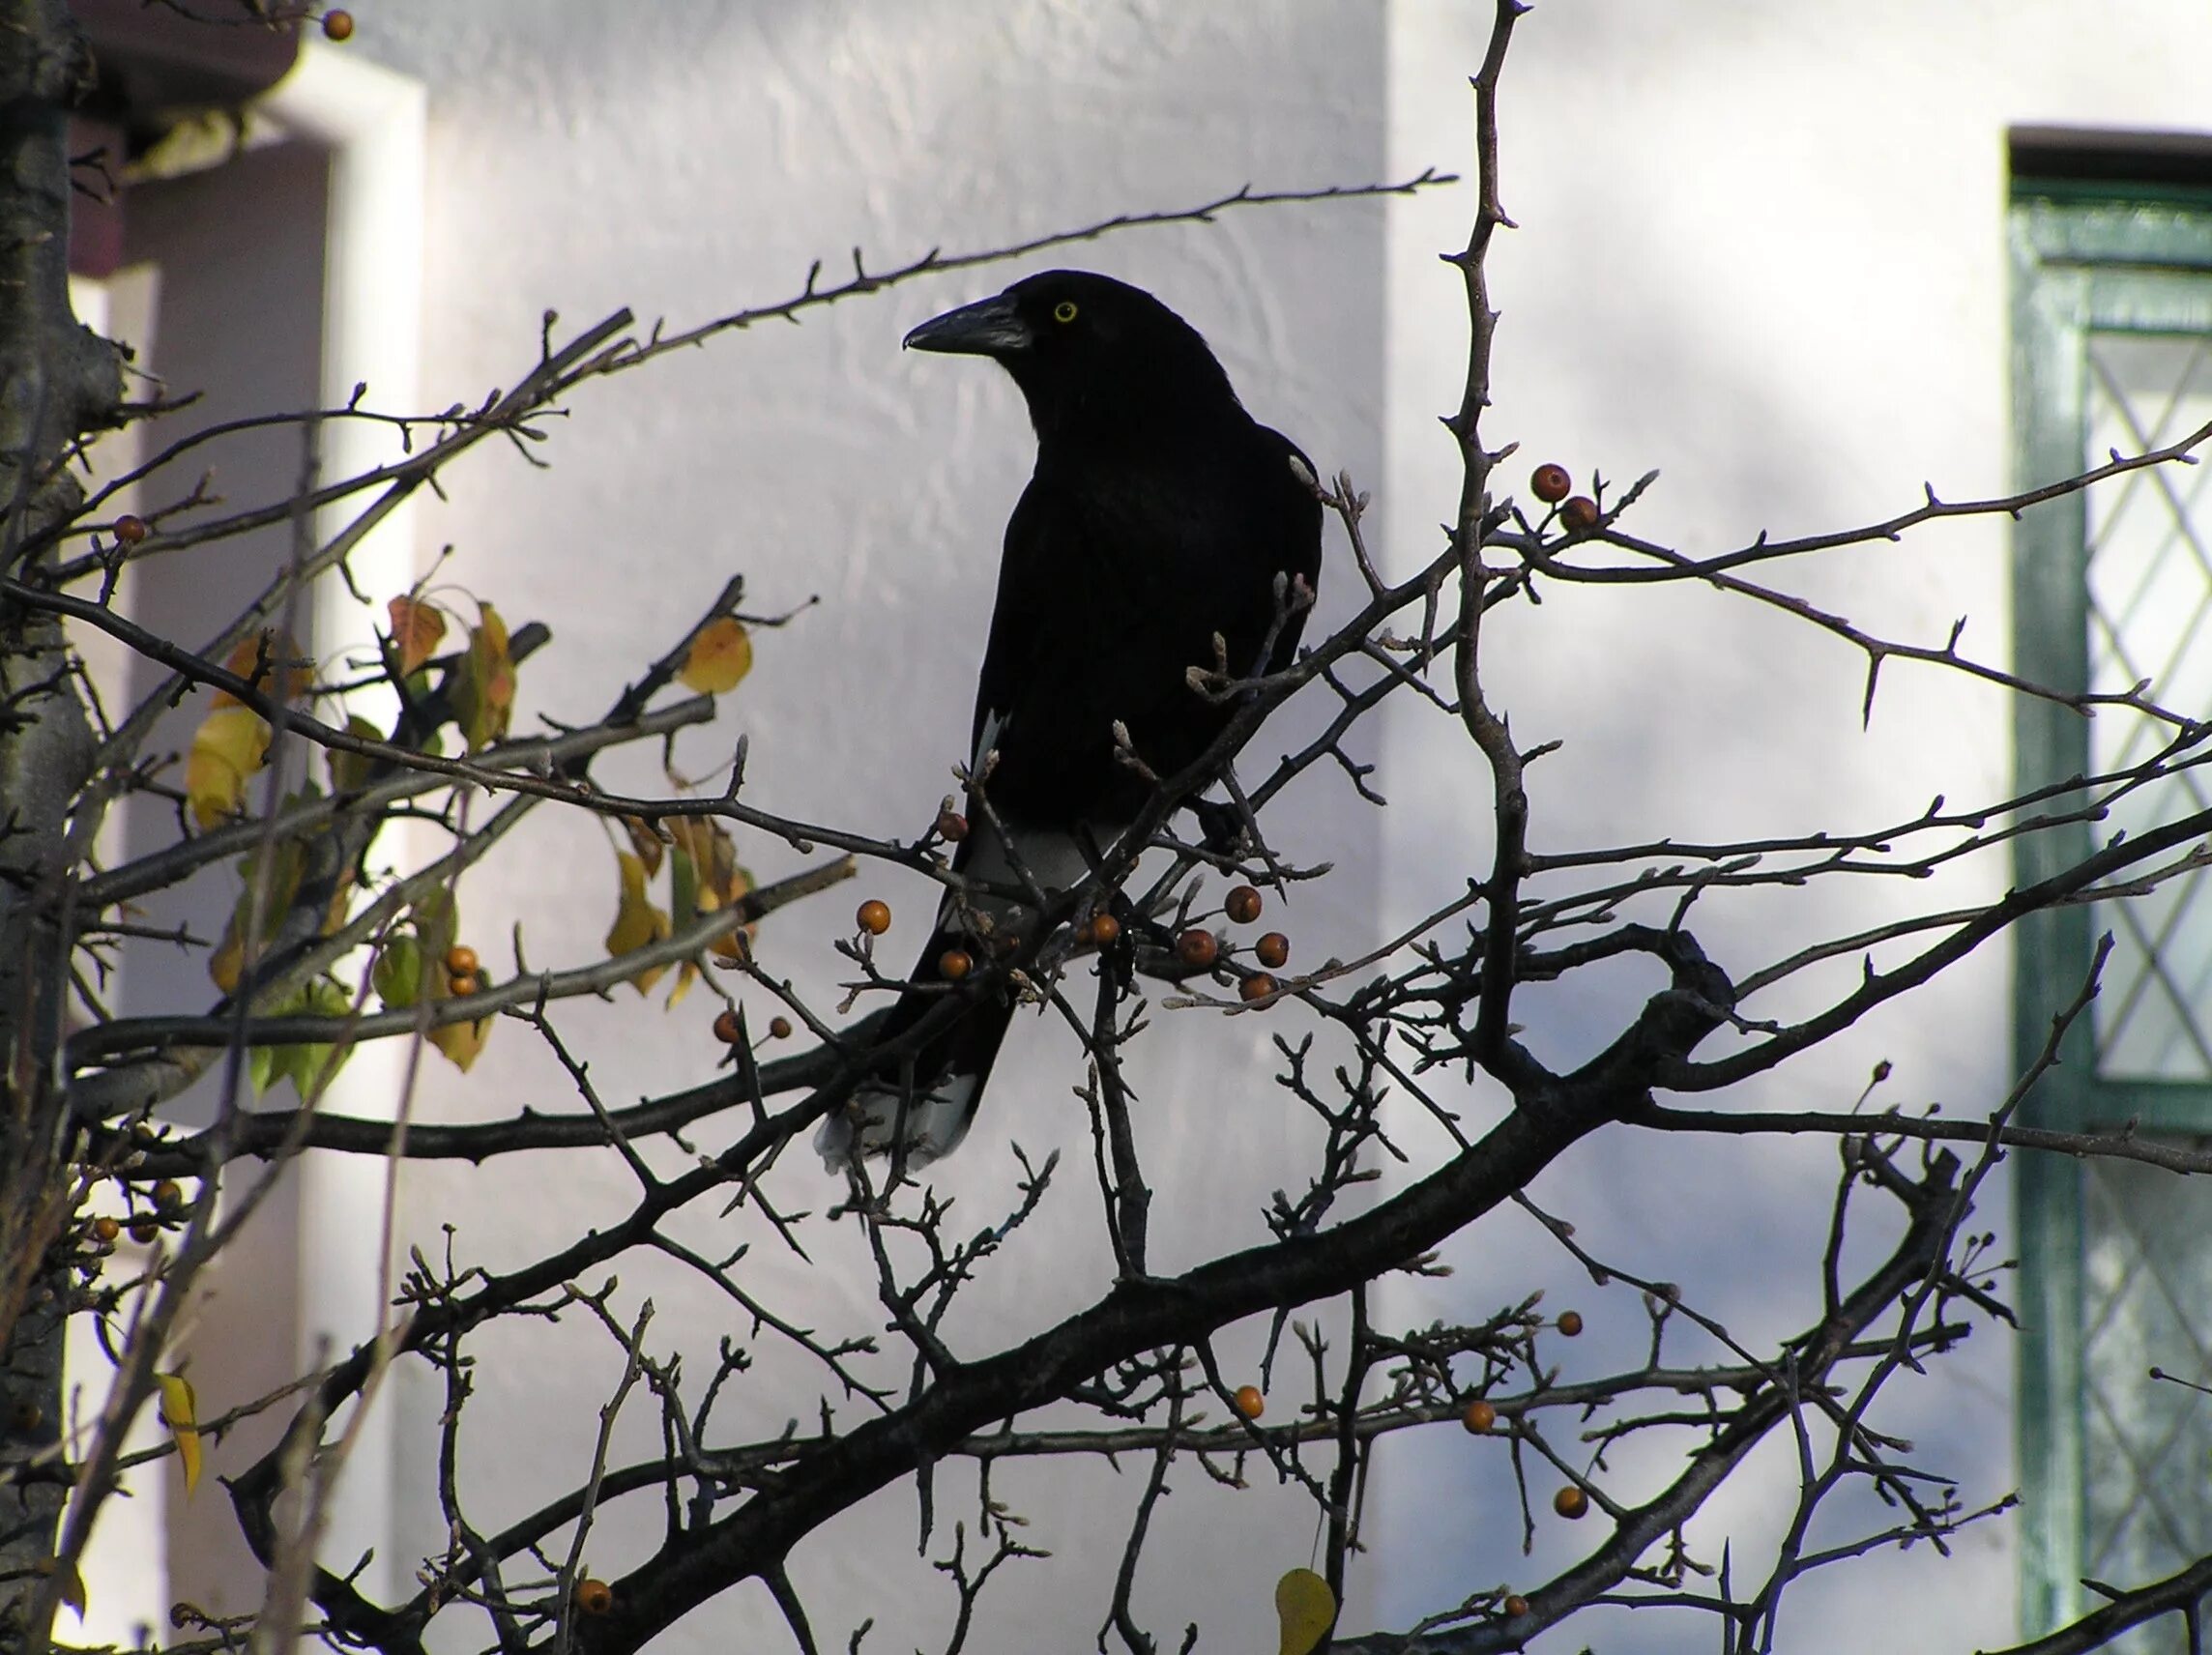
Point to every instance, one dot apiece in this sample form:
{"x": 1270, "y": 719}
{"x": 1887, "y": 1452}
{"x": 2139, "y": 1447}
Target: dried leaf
{"x": 721, "y": 654}
{"x": 228, "y": 960}
{"x": 736, "y": 887}
{"x": 417, "y": 628}
{"x": 484, "y": 690}
{"x": 646, "y": 843}
{"x": 272, "y": 663}
{"x": 719, "y": 881}
{"x": 1306, "y": 1608}
{"x": 181, "y": 1415}
{"x": 227, "y": 752}
{"x": 638, "y": 922}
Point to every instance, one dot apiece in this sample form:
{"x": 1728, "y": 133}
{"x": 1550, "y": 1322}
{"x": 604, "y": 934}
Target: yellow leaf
{"x": 227, "y": 964}
{"x": 461, "y": 1042}
{"x": 720, "y": 655}
{"x": 1307, "y": 1610}
{"x": 638, "y": 922}
{"x": 182, "y": 1418}
{"x": 686, "y": 974}
{"x": 227, "y": 750}
{"x": 417, "y": 628}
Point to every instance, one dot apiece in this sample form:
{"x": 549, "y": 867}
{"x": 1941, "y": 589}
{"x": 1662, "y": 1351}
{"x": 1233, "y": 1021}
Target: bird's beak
{"x": 987, "y": 328}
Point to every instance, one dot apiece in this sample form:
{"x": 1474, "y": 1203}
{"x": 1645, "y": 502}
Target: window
{"x": 2112, "y": 249}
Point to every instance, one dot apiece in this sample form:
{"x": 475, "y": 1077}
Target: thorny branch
{"x": 737, "y": 1489}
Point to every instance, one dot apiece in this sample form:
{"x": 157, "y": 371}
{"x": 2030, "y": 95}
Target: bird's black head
{"x": 1088, "y": 352}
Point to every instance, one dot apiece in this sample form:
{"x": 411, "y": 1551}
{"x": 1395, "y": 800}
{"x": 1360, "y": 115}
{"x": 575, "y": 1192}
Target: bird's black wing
{"x": 1116, "y": 579}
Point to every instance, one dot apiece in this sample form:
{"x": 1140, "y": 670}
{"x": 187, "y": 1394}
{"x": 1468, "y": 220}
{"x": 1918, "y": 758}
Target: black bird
{"x": 1160, "y": 516}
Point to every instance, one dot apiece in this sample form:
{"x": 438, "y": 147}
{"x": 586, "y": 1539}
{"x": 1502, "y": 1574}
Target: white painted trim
{"x": 371, "y": 121}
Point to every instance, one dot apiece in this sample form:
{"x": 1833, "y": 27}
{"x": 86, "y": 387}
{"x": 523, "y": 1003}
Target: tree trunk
{"x": 57, "y": 381}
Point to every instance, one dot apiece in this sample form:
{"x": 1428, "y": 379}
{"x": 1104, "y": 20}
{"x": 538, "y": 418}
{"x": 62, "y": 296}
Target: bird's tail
{"x": 919, "y": 1107}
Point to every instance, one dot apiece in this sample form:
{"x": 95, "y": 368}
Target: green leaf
{"x": 397, "y": 975}
{"x": 1306, "y": 1609}
{"x": 351, "y": 770}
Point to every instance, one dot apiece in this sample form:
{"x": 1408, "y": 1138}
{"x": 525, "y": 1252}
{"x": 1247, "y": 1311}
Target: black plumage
{"x": 1161, "y": 514}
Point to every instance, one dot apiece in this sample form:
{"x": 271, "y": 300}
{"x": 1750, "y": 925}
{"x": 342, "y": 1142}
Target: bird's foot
{"x": 1220, "y": 827}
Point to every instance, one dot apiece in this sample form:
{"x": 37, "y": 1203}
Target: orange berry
{"x": 1570, "y": 1323}
{"x": 168, "y": 1194}
{"x": 954, "y": 964}
{"x": 1243, "y": 905}
{"x": 779, "y": 1029}
{"x": 951, "y": 826}
{"x": 1198, "y": 947}
{"x": 873, "y": 916}
{"x": 1479, "y": 1416}
{"x": 129, "y": 530}
{"x": 726, "y": 1026}
{"x": 144, "y": 1231}
{"x": 1570, "y": 1503}
{"x": 337, "y": 25}
{"x": 1579, "y": 513}
{"x": 1105, "y": 930}
{"x": 1250, "y": 1401}
{"x": 1258, "y": 986}
{"x": 460, "y": 988}
{"x": 595, "y": 1597}
{"x": 105, "y": 1229}
{"x": 1550, "y": 483}
{"x": 1516, "y": 1606}
{"x": 1273, "y": 951}
{"x": 461, "y": 960}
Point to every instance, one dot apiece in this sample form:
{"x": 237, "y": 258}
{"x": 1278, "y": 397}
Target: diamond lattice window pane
{"x": 2147, "y": 1443}
{"x": 2150, "y": 617}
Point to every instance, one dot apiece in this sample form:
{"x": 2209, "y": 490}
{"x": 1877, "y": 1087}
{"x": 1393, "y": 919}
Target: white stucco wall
{"x": 686, "y": 159}
{"x": 1760, "y": 250}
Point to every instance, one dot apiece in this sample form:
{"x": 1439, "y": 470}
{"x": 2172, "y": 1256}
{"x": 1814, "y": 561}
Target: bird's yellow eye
{"x": 1064, "y": 311}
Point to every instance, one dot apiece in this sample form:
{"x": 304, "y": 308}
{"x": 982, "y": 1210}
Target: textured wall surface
{"x": 1761, "y": 249}
{"x": 686, "y": 159}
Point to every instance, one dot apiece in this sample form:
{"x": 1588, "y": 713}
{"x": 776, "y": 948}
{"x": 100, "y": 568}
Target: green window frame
{"x": 2112, "y": 288}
